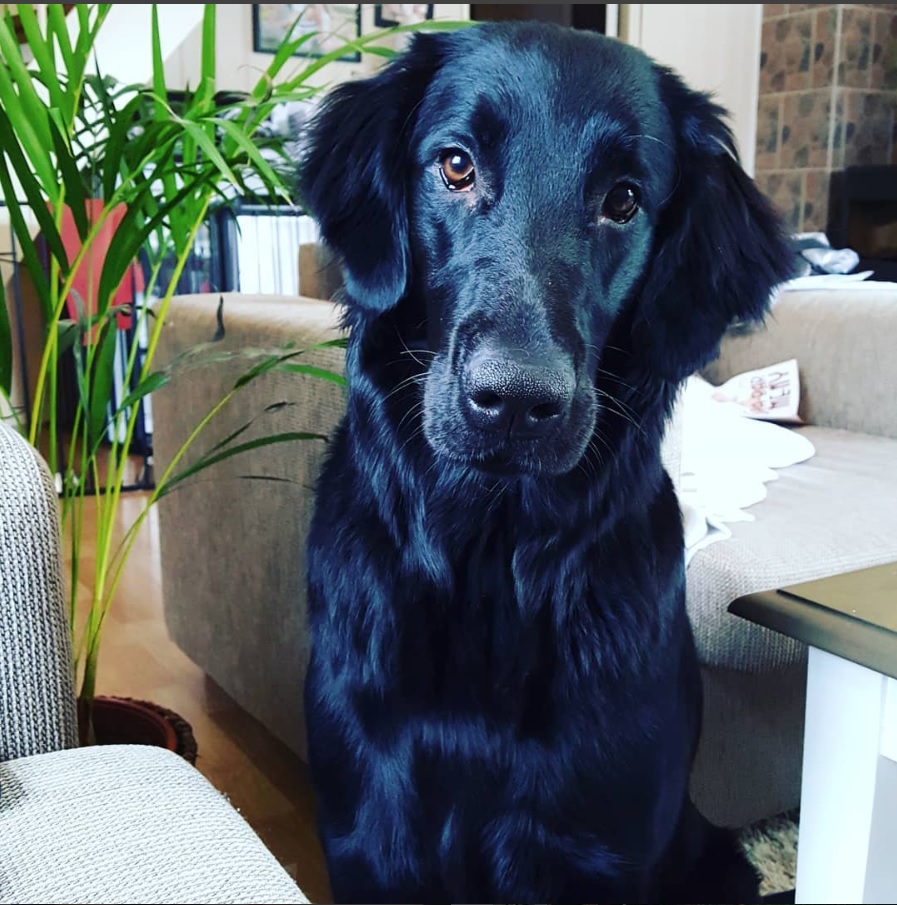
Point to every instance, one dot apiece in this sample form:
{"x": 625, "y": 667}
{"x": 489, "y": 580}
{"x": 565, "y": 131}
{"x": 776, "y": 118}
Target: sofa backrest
{"x": 37, "y": 698}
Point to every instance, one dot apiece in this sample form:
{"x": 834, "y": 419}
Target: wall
{"x": 714, "y": 47}
{"x": 827, "y": 100}
{"x": 124, "y": 44}
{"x": 239, "y": 67}
{"x": 29, "y": 329}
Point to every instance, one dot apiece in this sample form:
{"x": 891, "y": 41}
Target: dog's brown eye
{"x": 620, "y": 203}
{"x": 457, "y": 170}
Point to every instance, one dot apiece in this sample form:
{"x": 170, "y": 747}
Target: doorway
{"x": 587, "y": 16}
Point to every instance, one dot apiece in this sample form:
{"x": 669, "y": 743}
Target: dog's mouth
{"x": 509, "y": 463}
{"x": 509, "y": 460}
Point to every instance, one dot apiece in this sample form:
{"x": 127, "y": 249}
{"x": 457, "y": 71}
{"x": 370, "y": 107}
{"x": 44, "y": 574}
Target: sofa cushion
{"x": 127, "y": 823}
{"x": 834, "y": 513}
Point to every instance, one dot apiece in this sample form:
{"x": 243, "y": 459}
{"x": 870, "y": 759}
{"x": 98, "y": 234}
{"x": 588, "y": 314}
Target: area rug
{"x": 771, "y": 846}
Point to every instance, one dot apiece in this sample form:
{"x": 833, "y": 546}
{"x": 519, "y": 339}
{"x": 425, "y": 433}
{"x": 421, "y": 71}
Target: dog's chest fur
{"x": 485, "y": 678}
{"x": 510, "y": 620}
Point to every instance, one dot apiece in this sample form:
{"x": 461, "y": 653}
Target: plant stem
{"x": 103, "y": 593}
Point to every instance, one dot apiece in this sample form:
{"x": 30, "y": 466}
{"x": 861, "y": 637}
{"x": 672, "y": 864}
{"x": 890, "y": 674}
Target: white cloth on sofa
{"x": 726, "y": 461}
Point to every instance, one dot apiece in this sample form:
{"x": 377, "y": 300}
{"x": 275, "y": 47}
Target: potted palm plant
{"x": 96, "y": 176}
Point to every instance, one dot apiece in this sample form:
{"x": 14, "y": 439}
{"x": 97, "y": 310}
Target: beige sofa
{"x": 233, "y": 548}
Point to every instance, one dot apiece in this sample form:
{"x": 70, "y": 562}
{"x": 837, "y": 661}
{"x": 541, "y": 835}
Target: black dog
{"x": 542, "y": 233}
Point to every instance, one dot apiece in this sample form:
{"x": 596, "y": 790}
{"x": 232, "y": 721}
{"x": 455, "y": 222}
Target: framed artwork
{"x": 388, "y": 15}
{"x": 331, "y": 24}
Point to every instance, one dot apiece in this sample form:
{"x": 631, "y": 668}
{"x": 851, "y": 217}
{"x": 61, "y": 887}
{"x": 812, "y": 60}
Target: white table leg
{"x": 847, "y": 850}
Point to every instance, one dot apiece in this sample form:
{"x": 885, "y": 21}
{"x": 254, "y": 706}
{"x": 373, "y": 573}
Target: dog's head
{"x": 543, "y": 201}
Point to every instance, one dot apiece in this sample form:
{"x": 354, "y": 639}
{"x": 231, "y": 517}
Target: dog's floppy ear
{"x": 719, "y": 248}
{"x": 353, "y": 170}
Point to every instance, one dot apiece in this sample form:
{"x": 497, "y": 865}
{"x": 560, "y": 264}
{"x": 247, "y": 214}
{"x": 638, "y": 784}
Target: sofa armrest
{"x": 128, "y": 823}
{"x": 37, "y": 697}
{"x": 232, "y": 538}
{"x": 844, "y": 343}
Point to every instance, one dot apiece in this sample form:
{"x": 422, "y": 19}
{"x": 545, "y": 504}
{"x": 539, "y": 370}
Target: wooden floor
{"x": 263, "y": 779}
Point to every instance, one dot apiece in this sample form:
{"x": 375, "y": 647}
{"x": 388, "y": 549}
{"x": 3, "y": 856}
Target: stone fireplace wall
{"x": 828, "y": 100}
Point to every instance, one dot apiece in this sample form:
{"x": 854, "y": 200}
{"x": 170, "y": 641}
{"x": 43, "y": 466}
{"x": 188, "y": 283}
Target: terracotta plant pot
{"x": 125, "y": 721}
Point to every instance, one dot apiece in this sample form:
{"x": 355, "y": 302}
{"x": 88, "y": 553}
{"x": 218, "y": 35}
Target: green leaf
{"x": 280, "y": 363}
{"x": 117, "y": 142}
{"x": 82, "y": 381}
{"x": 274, "y": 478}
{"x": 207, "y": 59}
{"x": 129, "y": 238}
{"x": 86, "y": 37}
{"x": 312, "y": 371}
{"x": 162, "y": 112}
{"x": 198, "y": 134}
{"x": 70, "y": 177}
{"x": 149, "y": 383}
{"x": 179, "y": 228}
{"x": 32, "y": 189}
{"x": 273, "y": 182}
{"x": 269, "y": 409}
{"x": 42, "y": 51}
{"x": 103, "y": 106}
{"x": 25, "y": 107}
{"x": 57, "y": 30}
{"x": 365, "y": 42}
{"x": 286, "y": 50}
{"x": 68, "y": 333}
{"x": 22, "y": 231}
{"x": 103, "y": 368}
{"x": 225, "y": 441}
{"x": 159, "y": 87}
{"x": 209, "y": 460}
{"x": 263, "y": 367}
{"x": 386, "y": 52}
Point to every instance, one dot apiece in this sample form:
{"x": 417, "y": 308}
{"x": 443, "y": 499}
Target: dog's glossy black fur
{"x": 543, "y": 233}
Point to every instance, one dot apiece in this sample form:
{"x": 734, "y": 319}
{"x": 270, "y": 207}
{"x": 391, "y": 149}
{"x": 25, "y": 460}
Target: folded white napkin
{"x": 727, "y": 460}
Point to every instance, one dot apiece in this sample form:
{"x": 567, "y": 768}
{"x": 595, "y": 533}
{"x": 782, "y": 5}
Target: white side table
{"x": 847, "y": 844}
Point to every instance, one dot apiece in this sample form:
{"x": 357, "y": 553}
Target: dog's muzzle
{"x": 515, "y": 396}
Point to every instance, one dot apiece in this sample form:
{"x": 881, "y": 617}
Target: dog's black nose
{"x": 523, "y": 398}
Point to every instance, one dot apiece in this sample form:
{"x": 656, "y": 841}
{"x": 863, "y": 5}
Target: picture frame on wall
{"x": 389, "y": 15}
{"x": 330, "y": 23}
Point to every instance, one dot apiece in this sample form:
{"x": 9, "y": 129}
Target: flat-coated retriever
{"x": 542, "y": 232}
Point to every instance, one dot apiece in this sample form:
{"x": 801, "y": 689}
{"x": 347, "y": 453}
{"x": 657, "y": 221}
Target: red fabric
{"x": 87, "y": 278}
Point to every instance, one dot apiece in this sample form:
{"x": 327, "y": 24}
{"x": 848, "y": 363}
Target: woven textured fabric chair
{"x": 116, "y": 823}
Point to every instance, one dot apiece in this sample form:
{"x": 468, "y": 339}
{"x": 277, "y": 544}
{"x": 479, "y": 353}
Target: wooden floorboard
{"x": 262, "y": 778}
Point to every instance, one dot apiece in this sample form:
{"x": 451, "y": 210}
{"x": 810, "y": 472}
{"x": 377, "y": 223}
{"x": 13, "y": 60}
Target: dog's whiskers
{"x": 418, "y": 430}
{"x": 620, "y": 408}
{"x": 402, "y": 384}
{"x": 415, "y": 352}
{"x": 410, "y": 413}
{"x": 586, "y": 465}
{"x": 412, "y": 353}
{"x": 609, "y": 375}
{"x": 617, "y": 349}
{"x": 598, "y": 437}
{"x": 618, "y": 400}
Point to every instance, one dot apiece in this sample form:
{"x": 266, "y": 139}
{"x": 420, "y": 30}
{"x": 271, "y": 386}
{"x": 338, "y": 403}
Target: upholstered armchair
{"x": 116, "y": 823}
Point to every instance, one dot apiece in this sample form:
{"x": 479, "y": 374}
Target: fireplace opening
{"x": 863, "y": 216}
